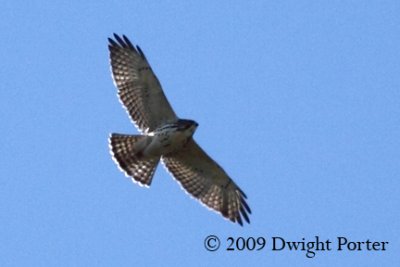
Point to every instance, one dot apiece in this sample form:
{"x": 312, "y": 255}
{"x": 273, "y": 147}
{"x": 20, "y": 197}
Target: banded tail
{"x": 127, "y": 153}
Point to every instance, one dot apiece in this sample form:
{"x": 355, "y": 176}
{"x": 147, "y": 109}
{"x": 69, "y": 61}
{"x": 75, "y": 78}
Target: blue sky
{"x": 299, "y": 101}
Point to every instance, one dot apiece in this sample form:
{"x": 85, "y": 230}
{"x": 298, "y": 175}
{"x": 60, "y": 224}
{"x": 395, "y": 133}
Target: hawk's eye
{"x": 183, "y": 127}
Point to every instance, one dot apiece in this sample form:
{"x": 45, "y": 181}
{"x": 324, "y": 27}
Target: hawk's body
{"x": 166, "y": 137}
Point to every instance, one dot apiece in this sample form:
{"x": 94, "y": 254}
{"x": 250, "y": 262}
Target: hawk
{"x": 165, "y": 137}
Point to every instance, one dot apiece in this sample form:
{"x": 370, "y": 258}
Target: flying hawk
{"x": 165, "y": 137}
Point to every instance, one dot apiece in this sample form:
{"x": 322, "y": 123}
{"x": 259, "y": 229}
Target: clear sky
{"x": 299, "y": 101}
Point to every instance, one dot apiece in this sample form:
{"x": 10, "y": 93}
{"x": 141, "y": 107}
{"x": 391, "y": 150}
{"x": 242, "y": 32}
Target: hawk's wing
{"x": 138, "y": 88}
{"x": 205, "y": 180}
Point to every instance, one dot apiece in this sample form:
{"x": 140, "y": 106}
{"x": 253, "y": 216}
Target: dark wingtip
{"x": 119, "y": 40}
{"x": 239, "y": 220}
{"x": 123, "y": 42}
{"x": 128, "y": 42}
{"x": 244, "y": 214}
{"x": 140, "y": 52}
{"x": 242, "y": 193}
{"x": 245, "y": 205}
{"x": 112, "y": 42}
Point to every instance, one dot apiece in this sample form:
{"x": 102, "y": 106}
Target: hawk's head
{"x": 184, "y": 125}
{"x": 187, "y": 126}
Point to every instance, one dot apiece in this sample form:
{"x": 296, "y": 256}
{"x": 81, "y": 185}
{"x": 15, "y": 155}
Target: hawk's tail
{"x": 127, "y": 153}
